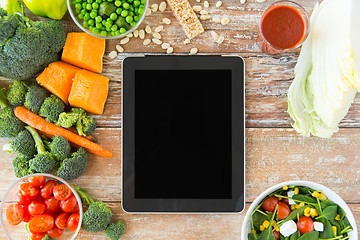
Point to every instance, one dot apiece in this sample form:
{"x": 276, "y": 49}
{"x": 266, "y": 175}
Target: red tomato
{"x": 37, "y": 181}
{"x": 55, "y": 232}
{"x": 73, "y": 222}
{"x": 76, "y": 208}
{"x": 14, "y": 214}
{"x": 276, "y": 235}
{"x": 27, "y": 190}
{"x": 36, "y": 236}
{"x": 270, "y": 204}
{"x": 283, "y": 211}
{"x": 20, "y": 199}
{"x": 27, "y": 215}
{"x": 47, "y": 189}
{"x": 305, "y": 225}
{"x": 61, "y": 220}
{"x": 286, "y": 201}
{"x": 37, "y": 207}
{"x": 62, "y": 192}
{"x": 69, "y": 204}
{"x": 52, "y": 205}
{"x": 41, "y": 223}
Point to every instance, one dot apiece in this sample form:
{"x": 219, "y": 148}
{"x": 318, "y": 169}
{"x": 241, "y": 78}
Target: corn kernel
{"x": 293, "y": 207}
{"x": 301, "y": 204}
{"x": 253, "y": 231}
{"x": 296, "y": 190}
{"x": 337, "y": 218}
{"x": 285, "y": 187}
{"x": 266, "y": 223}
{"x": 322, "y": 196}
{"x": 297, "y": 206}
{"x": 277, "y": 229}
{"x": 334, "y": 229}
{"x": 313, "y": 213}
{"x": 279, "y": 198}
{"x": 307, "y": 210}
{"x": 262, "y": 228}
{"x": 273, "y": 223}
{"x": 307, "y": 214}
{"x": 315, "y": 194}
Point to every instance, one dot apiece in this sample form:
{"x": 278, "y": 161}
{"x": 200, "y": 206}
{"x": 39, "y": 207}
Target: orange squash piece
{"x": 58, "y": 79}
{"x": 84, "y": 51}
{"x": 89, "y": 91}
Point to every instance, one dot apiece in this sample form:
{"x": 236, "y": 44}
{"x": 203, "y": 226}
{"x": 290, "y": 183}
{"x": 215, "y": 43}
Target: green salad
{"x": 298, "y": 213}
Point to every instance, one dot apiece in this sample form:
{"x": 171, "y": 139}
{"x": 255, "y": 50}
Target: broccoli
{"x": 16, "y": 93}
{"x": 85, "y": 125}
{"x": 51, "y": 108}
{"x": 74, "y": 166}
{"x": 115, "y": 230}
{"x": 21, "y": 166}
{"x": 8, "y": 26}
{"x": 98, "y": 216}
{"x": 23, "y": 144}
{"x": 10, "y": 125}
{"x": 43, "y": 162}
{"x": 34, "y": 98}
{"x": 60, "y": 147}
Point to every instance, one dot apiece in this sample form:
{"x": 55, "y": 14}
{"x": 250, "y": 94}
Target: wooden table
{"x": 275, "y": 152}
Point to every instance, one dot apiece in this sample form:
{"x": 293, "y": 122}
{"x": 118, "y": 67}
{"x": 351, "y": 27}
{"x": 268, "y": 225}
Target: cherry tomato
{"x": 37, "y": 207}
{"x": 14, "y": 214}
{"x": 286, "y": 201}
{"x": 36, "y": 236}
{"x": 55, "y": 232}
{"x": 69, "y": 204}
{"x": 305, "y": 225}
{"x": 20, "y": 199}
{"x": 62, "y": 192}
{"x": 61, "y": 220}
{"x": 37, "y": 181}
{"x": 76, "y": 208}
{"x": 270, "y": 204}
{"x": 27, "y": 215}
{"x": 41, "y": 223}
{"x": 283, "y": 211}
{"x": 276, "y": 235}
{"x": 73, "y": 222}
{"x": 27, "y": 190}
{"x": 47, "y": 189}
{"x": 52, "y": 205}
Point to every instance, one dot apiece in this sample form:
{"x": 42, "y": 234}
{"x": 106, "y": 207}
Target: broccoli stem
{"x": 3, "y": 100}
{"x": 38, "y": 141}
{"x": 84, "y": 195}
{"x": 7, "y": 147}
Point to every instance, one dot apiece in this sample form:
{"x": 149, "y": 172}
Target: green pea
{"x": 114, "y": 27}
{"x": 93, "y": 14}
{"x": 78, "y": 6}
{"x": 129, "y": 19}
{"x": 91, "y": 22}
{"x": 99, "y": 1}
{"x": 90, "y": 1}
{"x": 87, "y": 16}
{"x": 117, "y": 32}
{"x": 113, "y": 16}
{"x": 103, "y": 33}
{"x": 85, "y": 24}
{"x": 78, "y": 1}
{"x": 110, "y": 21}
{"x": 131, "y": 8}
{"x": 98, "y": 19}
{"x": 81, "y": 16}
{"x": 103, "y": 22}
{"x": 88, "y": 6}
{"x": 108, "y": 25}
{"x": 83, "y": 5}
{"x": 77, "y": 10}
{"x": 143, "y": 1}
{"x": 96, "y": 31}
{"x": 110, "y": 0}
{"x": 122, "y": 30}
{"x": 108, "y": 29}
{"x": 136, "y": 11}
{"x": 118, "y": 11}
{"x": 118, "y": 3}
{"x": 141, "y": 9}
{"x": 136, "y": 18}
{"x": 124, "y": 13}
{"x": 133, "y": 24}
{"x": 98, "y": 25}
{"x": 95, "y": 5}
{"x": 136, "y": 3}
{"x": 83, "y": 11}
{"x": 130, "y": 1}
{"x": 126, "y": 5}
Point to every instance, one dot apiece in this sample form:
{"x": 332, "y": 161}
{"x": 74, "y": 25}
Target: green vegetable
{"x": 314, "y": 235}
{"x": 51, "y": 108}
{"x": 21, "y": 166}
{"x": 43, "y": 162}
{"x": 16, "y": 93}
{"x": 74, "y": 166}
{"x": 55, "y": 9}
{"x": 10, "y": 125}
{"x": 35, "y": 97}
{"x": 23, "y": 144}
{"x": 106, "y": 9}
{"x": 8, "y": 26}
{"x": 115, "y": 230}
{"x": 267, "y": 234}
{"x": 85, "y": 125}
{"x": 60, "y": 147}
{"x": 11, "y": 6}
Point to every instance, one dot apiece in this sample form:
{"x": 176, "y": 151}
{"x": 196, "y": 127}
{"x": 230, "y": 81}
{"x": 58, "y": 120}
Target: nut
{"x": 170, "y": 50}
{"x": 124, "y": 40}
{"x": 146, "y": 41}
{"x": 157, "y": 41}
{"x": 130, "y": 35}
{"x": 205, "y": 17}
{"x": 220, "y": 39}
{"x": 159, "y": 28}
{"x": 225, "y": 21}
{"x": 216, "y": 20}
{"x": 197, "y": 8}
{"x": 142, "y": 34}
{"x": 193, "y": 51}
{"x": 112, "y": 54}
{"x": 218, "y": 4}
{"x": 242, "y": 1}
{"x": 214, "y": 35}
{"x": 165, "y": 45}
{"x": 206, "y": 4}
{"x": 204, "y": 12}
{"x": 119, "y": 48}
{"x": 162, "y": 6}
{"x": 187, "y": 41}
{"x": 260, "y": 1}
{"x": 157, "y": 35}
{"x": 148, "y": 12}
{"x": 148, "y": 29}
{"x": 136, "y": 33}
{"x": 154, "y": 7}
{"x": 166, "y": 21}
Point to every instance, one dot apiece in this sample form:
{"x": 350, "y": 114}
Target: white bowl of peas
{"x": 109, "y": 19}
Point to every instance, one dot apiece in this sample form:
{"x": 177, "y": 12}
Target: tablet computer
{"x": 183, "y": 134}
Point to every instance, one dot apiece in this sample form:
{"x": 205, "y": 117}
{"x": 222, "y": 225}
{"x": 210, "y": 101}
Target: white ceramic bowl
{"x": 331, "y": 195}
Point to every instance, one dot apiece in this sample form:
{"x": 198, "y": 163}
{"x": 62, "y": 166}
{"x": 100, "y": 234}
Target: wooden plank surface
{"x": 275, "y": 152}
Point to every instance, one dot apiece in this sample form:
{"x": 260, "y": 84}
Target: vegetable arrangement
{"x": 298, "y": 212}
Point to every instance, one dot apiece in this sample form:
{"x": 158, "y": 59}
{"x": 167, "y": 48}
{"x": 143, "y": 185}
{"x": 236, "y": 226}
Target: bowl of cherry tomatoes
{"x": 41, "y": 204}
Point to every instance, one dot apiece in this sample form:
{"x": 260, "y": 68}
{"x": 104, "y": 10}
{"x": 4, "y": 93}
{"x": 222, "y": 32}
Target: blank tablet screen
{"x": 183, "y": 134}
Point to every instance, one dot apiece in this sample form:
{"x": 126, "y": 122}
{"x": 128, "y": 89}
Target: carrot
{"x": 41, "y": 124}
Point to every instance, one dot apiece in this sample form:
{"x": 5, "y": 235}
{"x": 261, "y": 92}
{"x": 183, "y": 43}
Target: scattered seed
{"x": 166, "y": 21}
{"x": 216, "y": 20}
{"x": 170, "y": 50}
{"x": 260, "y": 1}
{"x": 206, "y": 4}
{"x": 148, "y": 12}
{"x": 197, "y": 8}
{"x": 162, "y": 6}
{"x": 242, "y": 1}
{"x": 148, "y": 29}
{"x": 136, "y": 33}
{"x": 220, "y": 39}
{"x": 218, "y": 4}
{"x": 193, "y": 51}
{"x": 142, "y": 34}
{"x": 154, "y": 7}
{"x": 157, "y": 35}
{"x": 205, "y": 17}
{"x": 157, "y": 41}
{"x": 225, "y": 21}
{"x": 165, "y": 45}
{"x": 146, "y": 41}
{"x": 204, "y": 12}
{"x": 214, "y": 35}
{"x": 112, "y": 54}
{"x": 130, "y": 35}
{"x": 187, "y": 41}
{"x": 159, "y": 28}
{"x": 198, "y": 0}
{"x": 119, "y": 48}
{"x": 124, "y": 40}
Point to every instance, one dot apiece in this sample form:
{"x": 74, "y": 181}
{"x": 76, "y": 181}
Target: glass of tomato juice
{"x": 284, "y": 26}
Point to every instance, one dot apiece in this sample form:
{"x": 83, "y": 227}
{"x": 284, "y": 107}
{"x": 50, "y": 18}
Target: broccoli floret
{"x": 51, "y": 108}
{"x": 3, "y": 12}
{"x": 16, "y": 93}
{"x": 8, "y": 26}
{"x": 43, "y": 162}
{"x": 54, "y": 35}
{"x": 115, "y": 230}
{"x": 21, "y": 166}
{"x": 86, "y": 126}
{"x": 34, "y": 98}
{"x": 23, "y": 144}
{"x": 74, "y": 166}
{"x": 60, "y": 147}
{"x": 10, "y": 125}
